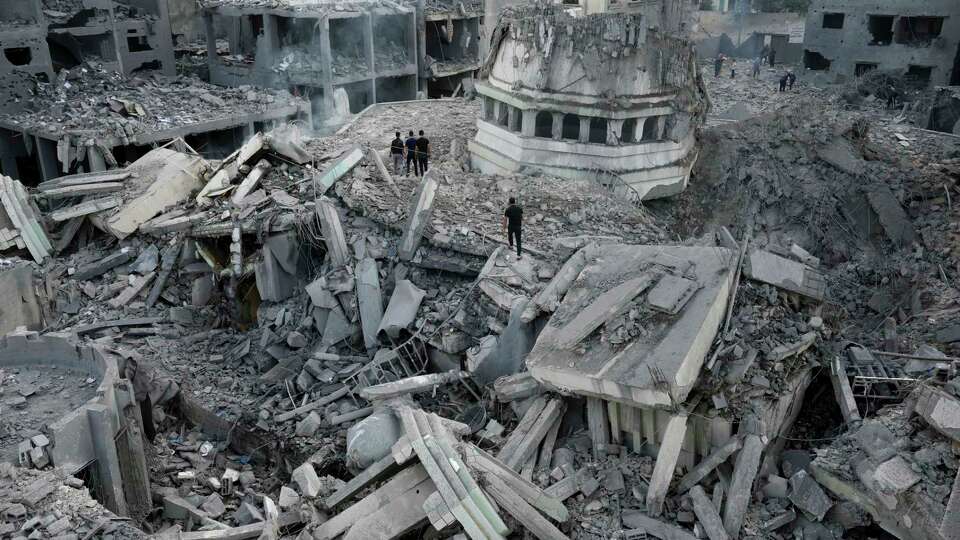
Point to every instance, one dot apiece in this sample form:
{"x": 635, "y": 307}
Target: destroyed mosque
{"x": 479, "y": 269}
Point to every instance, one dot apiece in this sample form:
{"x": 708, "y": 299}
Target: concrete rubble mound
{"x": 232, "y": 312}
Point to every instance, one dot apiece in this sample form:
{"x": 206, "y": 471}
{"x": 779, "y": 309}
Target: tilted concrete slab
{"x": 674, "y": 346}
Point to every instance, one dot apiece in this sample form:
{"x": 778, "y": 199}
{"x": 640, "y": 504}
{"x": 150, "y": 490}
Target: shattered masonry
{"x": 345, "y": 56}
{"x": 220, "y": 319}
{"x": 612, "y": 96}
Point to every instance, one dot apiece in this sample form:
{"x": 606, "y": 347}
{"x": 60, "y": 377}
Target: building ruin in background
{"x": 614, "y": 95}
{"x": 853, "y": 37}
{"x": 344, "y": 56}
{"x": 126, "y": 36}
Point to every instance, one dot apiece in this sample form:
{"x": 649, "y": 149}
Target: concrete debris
{"x": 244, "y": 284}
{"x": 421, "y": 209}
{"x": 402, "y": 308}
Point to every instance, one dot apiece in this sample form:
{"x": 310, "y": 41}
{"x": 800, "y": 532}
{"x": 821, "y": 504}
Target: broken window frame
{"x": 873, "y": 29}
{"x": 905, "y": 26}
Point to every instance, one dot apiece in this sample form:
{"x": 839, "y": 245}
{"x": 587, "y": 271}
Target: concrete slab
{"x": 21, "y": 307}
{"x": 785, "y": 274}
{"x": 674, "y": 347}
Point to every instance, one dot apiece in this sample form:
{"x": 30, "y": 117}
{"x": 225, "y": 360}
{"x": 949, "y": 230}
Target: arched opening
{"x": 571, "y": 127}
{"x": 503, "y": 114}
{"x": 651, "y": 129}
{"x": 598, "y": 130}
{"x": 544, "y": 125}
{"x": 628, "y": 133}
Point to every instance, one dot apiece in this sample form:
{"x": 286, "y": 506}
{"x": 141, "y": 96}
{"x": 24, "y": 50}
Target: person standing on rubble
{"x": 757, "y": 62}
{"x": 783, "y": 82}
{"x": 411, "y": 151}
{"x": 423, "y": 152}
{"x": 791, "y": 78}
{"x": 512, "y": 222}
{"x": 396, "y": 152}
{"x": 717, "y": 65}
{"x": 773, "y": 56}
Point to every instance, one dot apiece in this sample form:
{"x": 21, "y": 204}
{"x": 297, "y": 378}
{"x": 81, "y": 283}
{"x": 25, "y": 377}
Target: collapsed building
{"x": 612, "y": 95}
{"x": 344, "y": 56}
{"x": 269, "y": 333}
{"x": 917, "y": 39}
{"x": 45, "y": 36}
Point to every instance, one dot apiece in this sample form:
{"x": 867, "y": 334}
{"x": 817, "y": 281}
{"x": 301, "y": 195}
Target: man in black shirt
{"x": 396, "y": 152}
{"x": 512, "y": 221}
{"x": 423, "y": 152}
{"x": 411, "y": 144}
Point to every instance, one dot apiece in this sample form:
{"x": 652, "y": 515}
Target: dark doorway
{"x": 544, "y": 125}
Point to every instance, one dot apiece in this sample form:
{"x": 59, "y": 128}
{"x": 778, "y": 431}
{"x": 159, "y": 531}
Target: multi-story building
{"x": 852, "y": 37}
{"x": 344, "y": 55}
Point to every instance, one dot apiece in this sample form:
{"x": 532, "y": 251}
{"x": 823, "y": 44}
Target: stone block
{"x": 776, "y": 487}
{"x": 288, "y": 498}
{"x": 807, "y": 495}
{"x": 309, "y": 425}
{"x": 306, "y": 479}
{"x": 895, "y": 475}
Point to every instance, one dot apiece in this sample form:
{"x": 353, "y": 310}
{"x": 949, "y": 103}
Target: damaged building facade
{"x": 344, "y": 56}
{"x": 44, "y": 36}
{"x": 921, "y": 40}
{"x": 611, "y": 95}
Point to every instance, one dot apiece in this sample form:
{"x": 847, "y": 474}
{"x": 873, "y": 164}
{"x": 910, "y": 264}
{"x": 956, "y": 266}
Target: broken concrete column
{"x": 599, "y": 427}
{"x": 333, "y": 233}
{"x": 369, "y": 299}
{"x": 707, "y": 515}
{"x": 667, "y": 457}
{"x": 251, "y": 181}
{"x": 339, "y": 168}
{"x": 741, "y": 486}
{"x": 402, "y": 309}
{"x": 419, "y": 216}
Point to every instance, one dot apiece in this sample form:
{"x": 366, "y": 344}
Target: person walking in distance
{"x": 717, "y": 65}
{"x": 423, "y": 152}
{"x": 396, "y": 152}
{"x": 512, "y": 222}
{"x": 411, "y": 150}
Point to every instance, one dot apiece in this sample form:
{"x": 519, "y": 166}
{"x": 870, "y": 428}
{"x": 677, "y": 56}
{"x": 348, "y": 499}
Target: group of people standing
{"x": 787, "y": 80}
{"x": 414, "y": 150}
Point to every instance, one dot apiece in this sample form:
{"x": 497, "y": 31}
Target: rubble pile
{"x": 299, "y": 340}
{"x": 45, "y": 504}
{"x": 87, "y": 100}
